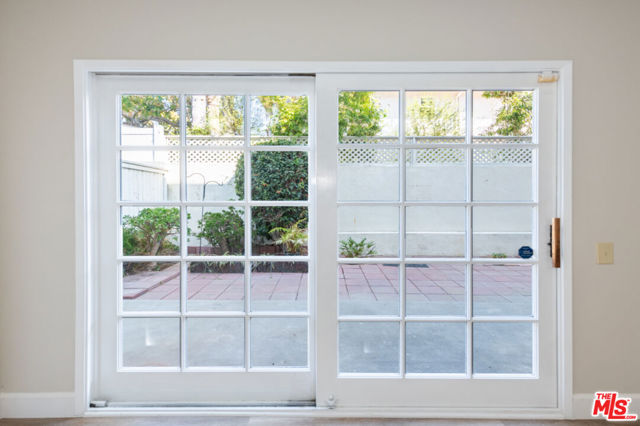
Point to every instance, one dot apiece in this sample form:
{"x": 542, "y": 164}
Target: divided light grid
{"x": 507, "y": 150}
{"x": 199, "y": 148}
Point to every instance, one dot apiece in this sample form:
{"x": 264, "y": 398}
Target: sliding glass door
{"x": 435, "y": 281}
{"x": 347, "y": 240}
{"x": 206, "y": 275}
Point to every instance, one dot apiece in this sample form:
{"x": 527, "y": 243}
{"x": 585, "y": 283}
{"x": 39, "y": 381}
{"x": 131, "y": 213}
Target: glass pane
{"x": 215, "y": 231}
{"x": 150, "y": 176}
{"x": 369, "y": 347}
{"x": 504, "y": 174}
{"x": 150, "y": 120}
{"x": 150, "y": 231}
{"x": 368, "y": 231}
{"x": 150, "y": 342}
{"x": 279, "y": 231}
{"x": 500, "y": 232}
{"x": 279, "y": 120}
{"x": 502, "y": 290}
{"x": 215, "y": 286}
{"x": 434, "y": 347}
{"x": 215, "y": 342}
{"x": 369, "y": 289}
{"x": 436, "y": 174}
{"x": 368, "y": 174}
{"x": 279, "y": 286}
{"x": 436, "y": 117}
{"x": 215, "y": 120}
{"x": 215, "y": 175}
{"x": 435, "y": 289}
{"x": 279, "y": 342}
{"x": 368, "y": 117}
{"x": 277, "y": 175}
{"x": 504, "y": 348}
{"x": 151, "y": 286}
{"x": 435, "y": 231}
{"x": 504, "y": 116}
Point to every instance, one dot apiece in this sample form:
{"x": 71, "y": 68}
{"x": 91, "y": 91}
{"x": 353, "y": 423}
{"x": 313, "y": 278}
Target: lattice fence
{"x": 503, "y": 156}
{"x": 364, "y": 156}
{"x": 367, "y": 156}
{"x": 434, "y": 156}
{"x": 206, "y": 140}
{"x": 217, "y": 156}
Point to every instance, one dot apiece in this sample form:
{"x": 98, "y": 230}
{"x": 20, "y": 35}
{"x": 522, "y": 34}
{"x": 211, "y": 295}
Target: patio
{"x": 434, "y": 289}
{"x": 365, "y": 289}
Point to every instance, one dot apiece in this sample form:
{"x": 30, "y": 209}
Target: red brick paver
{"x": 433, "y": 282}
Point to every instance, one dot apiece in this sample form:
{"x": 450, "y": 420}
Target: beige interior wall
{"x": 39, "y": 40}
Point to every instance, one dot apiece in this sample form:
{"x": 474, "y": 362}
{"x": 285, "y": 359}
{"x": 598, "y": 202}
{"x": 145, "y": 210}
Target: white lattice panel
{"x": 234, "y": 140}
{"x": 207, "y": 157}
{"x": 368, "y": 156}
{"x": 434, "y": 139}
{"x": 503, "y": 156}
{"x": 435, "y": 156}
{"x": 369, "y": 139}
{"x": 502, "y": 139}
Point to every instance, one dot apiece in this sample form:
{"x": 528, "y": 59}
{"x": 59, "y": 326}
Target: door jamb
{"x": 85, "y": 207}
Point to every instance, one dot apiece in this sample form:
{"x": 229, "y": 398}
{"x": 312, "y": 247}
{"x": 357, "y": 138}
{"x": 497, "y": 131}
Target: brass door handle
{"x": 554, "y": 242}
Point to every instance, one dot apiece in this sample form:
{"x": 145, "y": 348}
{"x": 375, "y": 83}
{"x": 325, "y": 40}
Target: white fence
{"x": 365, "y": 173}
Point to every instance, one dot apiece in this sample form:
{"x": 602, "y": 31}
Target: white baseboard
{"x": 62, "y": 404}
{"x": 583, "y": 402}
{"x": 37, "y": 405}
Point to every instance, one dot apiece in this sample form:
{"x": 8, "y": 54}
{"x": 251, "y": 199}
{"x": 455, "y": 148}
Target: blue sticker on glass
{"x": 525, "y": 252}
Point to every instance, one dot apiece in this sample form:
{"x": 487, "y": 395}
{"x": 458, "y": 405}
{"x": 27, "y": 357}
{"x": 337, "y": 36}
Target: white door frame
{"x": 223, "y": 385}
{"x": 85, "y": 189}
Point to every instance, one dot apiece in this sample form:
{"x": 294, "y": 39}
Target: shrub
{"x": 498, "y": 255}
{"x": 276, "y": 176}
{"x": 353, "y": 248}
{"x": 216, "y": 267}
{"x": 147, "y": 232}
{"x": 293, "y": 238}
{"x": 223, "y": 230}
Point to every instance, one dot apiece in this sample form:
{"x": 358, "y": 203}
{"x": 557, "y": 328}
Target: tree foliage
{"x": 434, "y": 117}
{"x": 224, "y": 114}
{"x": 359, "y": 114}
{"x": 143, "y": 110}
{"x": 286, "y": 115}
{"x": 515, "y": 115}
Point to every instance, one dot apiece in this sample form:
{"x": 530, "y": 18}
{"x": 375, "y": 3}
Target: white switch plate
{"x": 605, "y": 254}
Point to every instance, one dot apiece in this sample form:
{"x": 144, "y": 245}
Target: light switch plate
{"x": 605, "y": 254}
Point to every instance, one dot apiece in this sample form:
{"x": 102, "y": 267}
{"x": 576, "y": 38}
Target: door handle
{"x": 554, "y": 242}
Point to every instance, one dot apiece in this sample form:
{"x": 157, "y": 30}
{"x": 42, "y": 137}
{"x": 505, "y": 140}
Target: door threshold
{"x": 204, "y": 405}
